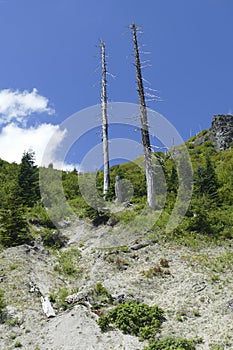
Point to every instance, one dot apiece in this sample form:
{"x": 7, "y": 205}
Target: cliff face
{"x": 221, "y": 133}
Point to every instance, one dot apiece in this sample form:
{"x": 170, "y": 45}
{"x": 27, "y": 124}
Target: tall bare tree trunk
{"x": 105, "y": 122}
{"x": 150, "y": 179}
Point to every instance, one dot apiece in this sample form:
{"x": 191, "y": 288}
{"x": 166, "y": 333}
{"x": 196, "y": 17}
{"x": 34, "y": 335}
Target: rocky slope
{"x": 220, "y": 133}
{"x": 193, "y": 286}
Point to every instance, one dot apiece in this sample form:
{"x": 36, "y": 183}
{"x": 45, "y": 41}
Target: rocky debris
{"x": 2, "y": 277}
{"x": 195, "y": 304}
{"x": 36, "y": 247}
{"x": 33, "y": 288}
{"x": 33, "y": 221}
{"x": 64, "y": 223}
{"x": 222, "y": 131}
{"x": 77, "y": 297}
{"x": 112, "y": 221}
{"x": 230, "y": 304}
{"x": 14, "y": 314}
{"x": 201, "y": 139}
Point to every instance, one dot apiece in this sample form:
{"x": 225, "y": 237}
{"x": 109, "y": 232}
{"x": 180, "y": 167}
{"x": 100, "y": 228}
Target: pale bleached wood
{"x": 105, "y": 122}
{"x": 149, "y": 170}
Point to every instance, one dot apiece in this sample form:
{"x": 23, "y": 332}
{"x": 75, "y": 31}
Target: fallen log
{"x": 47, "y": 307}
{"x": 139, "y": 246}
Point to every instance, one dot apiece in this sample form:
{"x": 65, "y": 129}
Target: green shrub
{"x": 171, "y": 344}
{"x": 54, "y": 239}
{"x": 101, "y": 296}
{"x": 18, "y": 344}
{"x": 39, "y": 213}
{"x": 59, "y": 298}
{"x": 134, "y": 319}
{"x": 12, "y": 321}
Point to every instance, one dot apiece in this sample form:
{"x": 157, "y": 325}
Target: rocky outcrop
{"x": 221, "y": 133}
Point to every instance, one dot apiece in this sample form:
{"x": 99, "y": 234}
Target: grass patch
{"x": 68, "y": 262}
{"x": 59, "y": 298}
{"x": 156, "y": 271}
{"x": 218, "y": 264}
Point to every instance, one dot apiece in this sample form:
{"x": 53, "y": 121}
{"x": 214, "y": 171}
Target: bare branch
{"x": 111, "y": 75}
{"x": 146, "y": 81}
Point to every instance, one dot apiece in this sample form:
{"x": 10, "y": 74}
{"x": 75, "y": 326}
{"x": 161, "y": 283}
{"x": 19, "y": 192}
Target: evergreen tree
{"x": 14, "y": 228}
{"x": 173, "y": 180}
{"x": 28, "y": 180}
{"x": 211, "y": 179}
{"x": 206, "y": 183}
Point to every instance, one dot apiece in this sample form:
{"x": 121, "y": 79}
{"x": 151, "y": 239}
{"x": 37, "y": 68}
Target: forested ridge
{"x": 209, "y": 213}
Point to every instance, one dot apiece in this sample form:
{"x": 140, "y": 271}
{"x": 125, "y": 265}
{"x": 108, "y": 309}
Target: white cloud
{"x": 16, "y": 105}
{"x": 14, "y": 140}
{"x": 65, "y": 166}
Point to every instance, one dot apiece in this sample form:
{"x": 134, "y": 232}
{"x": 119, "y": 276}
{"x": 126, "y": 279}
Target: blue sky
{"x": 51, "y": 46}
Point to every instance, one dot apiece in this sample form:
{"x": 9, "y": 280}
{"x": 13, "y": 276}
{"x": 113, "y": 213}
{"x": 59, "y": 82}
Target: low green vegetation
{"x": 100, "y": 298}
{"x": 170, "y": 343}
{"x": 58, "y": 298}
{"x": 135, "y": 319}
{"x": 2, "y": 305}
{"x": 68, "y": 262}
{"x": 156, "y": 270}
{"x": 53, "y": 238}
{"x": 143, "y": 321}
{"x": 219, "y": 263}
{"x": 18, "y": 344}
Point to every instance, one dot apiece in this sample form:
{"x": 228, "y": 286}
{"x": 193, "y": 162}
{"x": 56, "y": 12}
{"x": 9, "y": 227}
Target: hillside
{"x": 98, "y": 261}
{"x": 194, "y": 289}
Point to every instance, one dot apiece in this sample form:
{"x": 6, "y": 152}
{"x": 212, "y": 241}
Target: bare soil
{"x": 194, "y": 287}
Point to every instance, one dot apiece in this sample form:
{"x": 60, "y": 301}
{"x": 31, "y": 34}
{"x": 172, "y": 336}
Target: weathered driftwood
{"x": 139, "y": 246}
{"x": 118, "y": 190}
{"x": 76, "y": 297}
{"x": 199, "y": 286}
{"x": 80, "y": 297}
{"x": 47, "y": 307}
{"x": 105, "y": 122}
{"x": 149, "y": 170}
